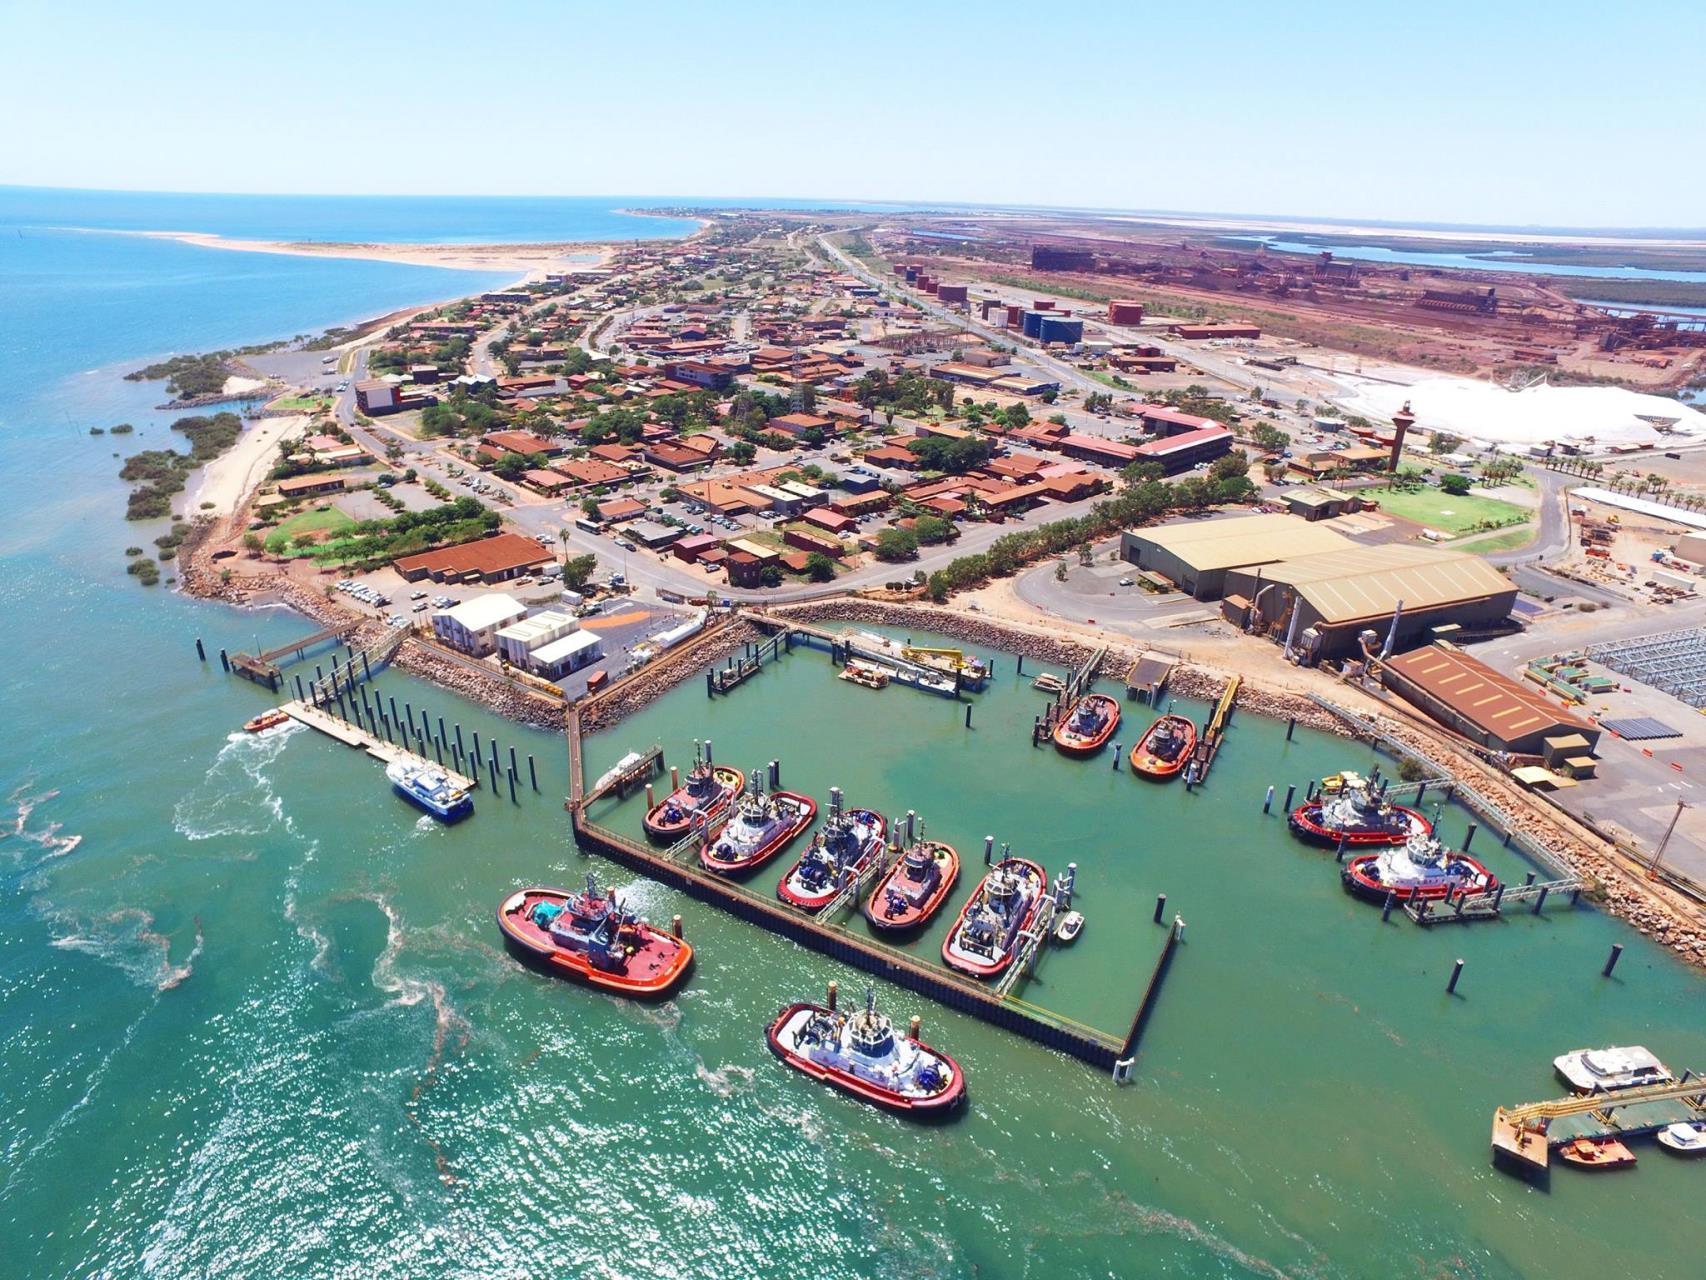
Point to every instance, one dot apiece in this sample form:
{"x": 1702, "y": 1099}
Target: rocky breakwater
{"x": 1280, "y": 704}
{"x": 1043, "y": 646}
{"x": 666, "y": 672}
{"x": 491, "y": 689}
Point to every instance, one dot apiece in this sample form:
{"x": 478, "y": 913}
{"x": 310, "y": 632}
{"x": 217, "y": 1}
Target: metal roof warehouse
{"x": 1480, "y": 703}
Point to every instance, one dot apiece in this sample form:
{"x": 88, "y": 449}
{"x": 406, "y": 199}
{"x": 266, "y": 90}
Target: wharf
{"x": 1147, "y": 679}
{"x": 352, "y": 735}
{"x": 1524, "y": 1136}
{"x": 933, "y": 671}
{"x": 264, "y": 668}
{"x": 1213, "y": 734}
{"x": 1468, "y": 908}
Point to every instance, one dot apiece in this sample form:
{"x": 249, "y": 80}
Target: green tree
{"x": 578, "y": 570}
{"x": 770, "y": 575}
{"x": 932, "y": 530}
{"x": 1457, "y": 486}
{"x": 1444, "y": 442}
{"x": 819, "y": 567}
{"x": 896, "y": 544}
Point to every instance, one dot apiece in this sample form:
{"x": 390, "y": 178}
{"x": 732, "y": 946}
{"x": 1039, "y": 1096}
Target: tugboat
{"x": 1092, "y": 722}
{"x": 914, "y": 888}
{"x": 1002, "y": 907}
{"x": 1422, "y": 869}
{"x": 590, "y": 937}
{"x": 1621, "y": 1067}
{"x": 1686, "y": 1139}
{"x": 266, "y": 720}
{"x": 760, "y": 827}
{"x": 1597, "y": 1153}
{"x": 1164, "y": 747}
{"x": 708, "y": 792}
{"x": 426, "y": 786}
{"x": 1349, "y": 808}
{"x": 868, "y": 674}
{"x": 862, "y": 1055}
{"x": 850, "y": 841}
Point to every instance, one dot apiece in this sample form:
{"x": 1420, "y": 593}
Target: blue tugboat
{"x": 428, "y": 787}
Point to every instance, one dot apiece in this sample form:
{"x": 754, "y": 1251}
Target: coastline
{"x": 531, "y": 260}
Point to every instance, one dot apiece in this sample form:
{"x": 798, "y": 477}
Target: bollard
{"x": 774, "y": 773}
{"x": 199, "y": 651}
{"x": 674, "y": 778}
{"x": 494, "y": 769}
{"x": 1611, "y": 960}
{"x": 1291, "y": 725}
{"x": 476, "y": 752}
{"x": 675, "y": 926}
{"x": 512, "y": 798}
{"x": 1339, "y": 853}
{"x": 512, "y": 764}
{"x": 441, "y": 733}
{"x": 1160, "y": 906}
{"x": 1529, "y": 881}
{"x": 1289, "y": 792}
{"x": 1456, "y": 973}
{"x": 395, "y": 718}
{"x": 1469, "y": 839}
{"x": 914, "y": 1026}
{"x": 224, "y": 661}
{"x": 1268, "y": 802}
{"x": 1386, "y": 908}
{"x": 365, "y": 673}
{"x": 834, "y": 993}
{"x": 1498, "y": 896}
{"x": 532, "y": 773}
{"x": 988, "y": 849}
{"x": 968, "y": 715}
{"x": 1541, "y": 900}
{"x": 299, "y": 688}
{"x": 1421, "y": 790}
{"x": 1116, "y": 761}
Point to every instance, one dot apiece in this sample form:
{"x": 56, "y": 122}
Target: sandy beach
{"x": 528, "y": 261}
{"x": 232, "y": 476}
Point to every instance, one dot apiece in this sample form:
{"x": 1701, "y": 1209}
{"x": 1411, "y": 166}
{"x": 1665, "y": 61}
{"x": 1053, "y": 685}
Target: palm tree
{"x": 563, "y": 542}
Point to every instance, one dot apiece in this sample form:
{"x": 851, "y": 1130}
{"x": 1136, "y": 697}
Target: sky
{"x": 1560, "y": 114}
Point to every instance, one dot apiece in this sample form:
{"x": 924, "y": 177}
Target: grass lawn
{"x": 1441, "y": 511}
{"x": 311, "y": 521}
{"x": 1509, "y": 540}
{"x": 305, "y": 404}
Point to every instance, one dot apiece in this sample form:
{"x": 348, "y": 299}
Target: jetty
{"x": 352, "y": 735}
{"x": 1214, "y": 732}
{"x": 939, "y": 671}
{"x": 1524, "y": 1136}
{"x": 265, "y": 667}
{"x": 1467, "y": 908}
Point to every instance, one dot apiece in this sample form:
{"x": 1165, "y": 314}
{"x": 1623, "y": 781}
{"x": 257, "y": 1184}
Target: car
{"x": 1128, "y": 582}
{"x": 420, "y": 608}
{"x": 626, "y": 545}
{"x": 417, "y": 595}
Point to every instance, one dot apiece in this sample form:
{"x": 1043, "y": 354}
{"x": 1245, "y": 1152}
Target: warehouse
{"x": 1321, "y": 603}
{"x": 1186, "y": 450}
{"x": 1197, "y": 554}
{"x": 1484, "y": 705}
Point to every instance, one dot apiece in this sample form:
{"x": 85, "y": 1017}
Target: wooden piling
{"x": 1611, "y": 960}
{"x": 1456, "y": 973}
{"x": 1160, "y": 906}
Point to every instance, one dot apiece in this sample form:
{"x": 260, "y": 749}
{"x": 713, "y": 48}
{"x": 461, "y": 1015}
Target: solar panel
{"x": 1640, "y": 728}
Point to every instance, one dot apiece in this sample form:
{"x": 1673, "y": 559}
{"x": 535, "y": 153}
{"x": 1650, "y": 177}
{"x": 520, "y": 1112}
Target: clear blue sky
{"x": 1553, "y": 114}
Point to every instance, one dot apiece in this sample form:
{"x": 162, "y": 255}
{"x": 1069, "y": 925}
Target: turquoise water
{"x": 254, "y": 1017}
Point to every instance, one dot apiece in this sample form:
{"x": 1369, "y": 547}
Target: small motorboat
{"x": 866, "y": 674}
{"x": 1088, "y": 726}
{"x": 1597, "y": 1153}
{"x": 1687, "y": 1139}
{"x": 1164, "y": 747}
{"x": 266, "y": 720}
{"x": 1070, "y": 926}
{"x": 862, "y": 1055}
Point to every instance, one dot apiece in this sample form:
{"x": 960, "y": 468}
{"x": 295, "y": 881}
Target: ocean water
{"x": 1493, "y": 260}
{"x": 255, "y": 1018}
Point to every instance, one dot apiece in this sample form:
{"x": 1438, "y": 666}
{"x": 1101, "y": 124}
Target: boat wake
{"x": 727, "y": 1080}
{"x": 236, "y": 797}
{"x": 49, "y": 838}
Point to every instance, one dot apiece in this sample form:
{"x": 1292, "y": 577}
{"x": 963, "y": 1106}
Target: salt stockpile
{"x": 1482, "y": 411}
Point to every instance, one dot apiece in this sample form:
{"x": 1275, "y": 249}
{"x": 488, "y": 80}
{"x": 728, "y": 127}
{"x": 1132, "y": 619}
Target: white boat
{"x": 616, "y": 770}
{"x": 1621, "y": 1067}
{"x": 1688, "y": 1139}
{"x": 1070, "y": 926}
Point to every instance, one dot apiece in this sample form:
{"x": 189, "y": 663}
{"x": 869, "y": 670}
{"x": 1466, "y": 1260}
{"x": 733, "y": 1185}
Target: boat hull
{"x": 1145, "y": 764}
{"x": 445, "y": 813}
{"x": 1597, "y": 1154}
{"x": 1689, "y": 1148}
{"x": 940, "y": 1106}
{"x": 1305, "y": 823}
{"x": 870, "y": 850}
{"x": 997, "y": 966}
{"x": 875, "y": 907}
{"x": 658, "y": 827}
{"x": 1357, "y": 881}
{"x": 805, "y": 814}
{"x": 664, "y": 960}
{"x": 266, "y": 720}
{"x": 1078, "y": 746}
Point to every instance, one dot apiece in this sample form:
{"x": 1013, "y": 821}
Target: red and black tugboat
{"x": 1165, "y": 747}
{"x": 986, "y": 936}
{"x": 760, "y": 826}
{"x": 589, "y": 937}
{"x": 1420, "y": 869}
{"x": 915, "y": 888}
{"x": 850, "y": 841}
{"x": 1088, "y": 726}
{"x": 861, "y": 1054}
{"x": 1351, "y": 809}
{"x": 708, "y": 792}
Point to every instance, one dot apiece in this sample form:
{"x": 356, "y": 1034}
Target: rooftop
{"x": 493, "y": 610}
{"x": 1485, "y": 697}
{"x": 1239, "y": 540}
{"x": 1370, "y": 582}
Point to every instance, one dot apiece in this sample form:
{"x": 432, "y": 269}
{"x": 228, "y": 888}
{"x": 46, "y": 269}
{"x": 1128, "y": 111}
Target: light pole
{"x": 1659, "y": 853}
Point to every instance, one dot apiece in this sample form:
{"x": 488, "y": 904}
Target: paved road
{"x": 1554, "y": 536}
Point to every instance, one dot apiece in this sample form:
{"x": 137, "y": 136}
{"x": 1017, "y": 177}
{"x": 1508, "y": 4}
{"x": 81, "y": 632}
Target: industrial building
{"x": 494, "y": 559}
{"x": 1186, "y": 450}
{"x": 1486, "y": 706}
{"x": 1125, "y": 311}
{"x": 567, "y": 653}
{"x": 473, "y": 625}
{"x": 1321, "y": 604}
{"x": 519, "y": 639}
{"x": 1197, "y": 554}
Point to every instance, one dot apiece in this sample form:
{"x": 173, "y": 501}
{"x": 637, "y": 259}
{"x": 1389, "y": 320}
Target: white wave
{"x": 727, "y": 1080}
{"x": 48, "y": 838}
{"x": 126, "y": 938}
{"x": 235, "y": 797}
